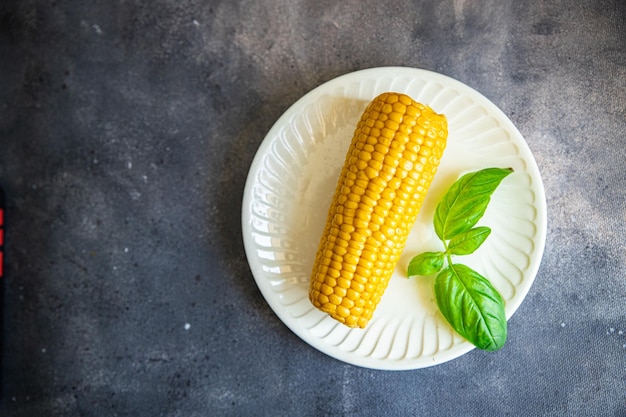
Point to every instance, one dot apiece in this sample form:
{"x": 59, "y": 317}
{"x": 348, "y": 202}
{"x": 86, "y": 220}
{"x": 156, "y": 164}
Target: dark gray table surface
{"x": 127, "y": 129}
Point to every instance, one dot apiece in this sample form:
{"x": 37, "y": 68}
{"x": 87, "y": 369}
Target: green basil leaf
{"x": 472, "y": 306}
{"x": 427, "y": 263}
{"x": 467, "y": 242}
{"x": 466, "y": 200}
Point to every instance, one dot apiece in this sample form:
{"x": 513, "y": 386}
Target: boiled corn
{"x": 392, "y": 159}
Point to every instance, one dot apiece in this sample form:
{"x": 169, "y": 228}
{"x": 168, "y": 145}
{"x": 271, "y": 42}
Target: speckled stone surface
{"x": 126, "y": 132}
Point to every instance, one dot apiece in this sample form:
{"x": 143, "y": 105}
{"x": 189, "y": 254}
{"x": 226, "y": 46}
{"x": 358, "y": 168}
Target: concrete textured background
{"x": 126, "y": 132}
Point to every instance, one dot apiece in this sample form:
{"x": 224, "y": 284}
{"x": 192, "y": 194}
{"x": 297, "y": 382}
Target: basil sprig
{"x": 467, "y": 300}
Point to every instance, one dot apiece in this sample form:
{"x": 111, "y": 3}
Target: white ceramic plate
{"x": 291, "y": 182}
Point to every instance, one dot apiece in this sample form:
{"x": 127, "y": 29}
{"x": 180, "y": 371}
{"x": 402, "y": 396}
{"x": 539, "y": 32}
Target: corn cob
{"x": 392, "y": 159}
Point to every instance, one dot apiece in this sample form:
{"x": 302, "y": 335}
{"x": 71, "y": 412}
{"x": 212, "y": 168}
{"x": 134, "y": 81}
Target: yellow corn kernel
{"x": 351, "y": 320}
{"x": 393, "y": 156}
